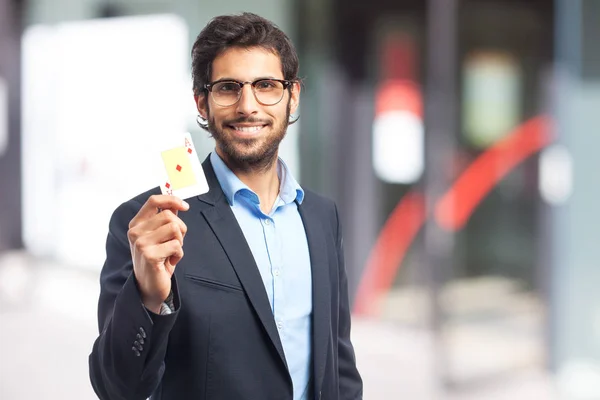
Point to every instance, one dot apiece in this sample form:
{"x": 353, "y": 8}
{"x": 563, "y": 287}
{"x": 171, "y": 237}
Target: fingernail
{"x": 185, "y": 204}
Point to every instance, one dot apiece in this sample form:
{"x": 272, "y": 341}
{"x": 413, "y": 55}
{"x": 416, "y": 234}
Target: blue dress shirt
{"x": 279, "y": 246}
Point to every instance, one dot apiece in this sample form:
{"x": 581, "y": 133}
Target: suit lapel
{"x": 223, "y": 223}
{"x": 321, "y": 287}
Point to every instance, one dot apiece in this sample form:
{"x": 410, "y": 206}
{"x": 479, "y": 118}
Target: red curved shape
{"x": 452, "y": 211}
{"x": 392, "y": 245}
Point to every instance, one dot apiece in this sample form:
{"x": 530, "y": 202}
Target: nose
{"x": 247, "y": 105}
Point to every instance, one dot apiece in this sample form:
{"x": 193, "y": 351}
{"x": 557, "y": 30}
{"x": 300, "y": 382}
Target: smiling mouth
{"x": 247, "y": 129}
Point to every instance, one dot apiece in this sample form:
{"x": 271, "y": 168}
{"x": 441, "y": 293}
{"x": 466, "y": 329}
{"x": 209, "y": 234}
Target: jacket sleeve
{"x": 127, "y": 359}
{"x": 350, "y": 381}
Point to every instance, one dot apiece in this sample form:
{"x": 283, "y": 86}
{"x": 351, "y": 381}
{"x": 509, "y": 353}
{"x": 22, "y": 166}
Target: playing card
{"x": 183, "y": 175}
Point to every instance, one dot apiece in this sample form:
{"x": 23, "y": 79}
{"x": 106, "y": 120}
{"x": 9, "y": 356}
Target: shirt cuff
{"x": 167, "y": 307}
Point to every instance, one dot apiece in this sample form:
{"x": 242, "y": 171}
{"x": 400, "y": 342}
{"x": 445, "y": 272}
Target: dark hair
{"x": 243, "y": 30}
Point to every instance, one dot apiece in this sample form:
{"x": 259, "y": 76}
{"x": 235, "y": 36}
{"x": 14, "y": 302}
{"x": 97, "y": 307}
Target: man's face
{"x": 248, "y": 133}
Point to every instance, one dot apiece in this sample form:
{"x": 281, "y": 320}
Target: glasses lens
{"x": 268, "y": 92}
{"x": 225, "y": 93}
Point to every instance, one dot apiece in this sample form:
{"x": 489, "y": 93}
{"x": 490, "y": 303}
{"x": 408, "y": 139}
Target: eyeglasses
{"x": 267, "y": 92}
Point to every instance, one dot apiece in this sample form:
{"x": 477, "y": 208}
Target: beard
{"x": 249, "y": 154}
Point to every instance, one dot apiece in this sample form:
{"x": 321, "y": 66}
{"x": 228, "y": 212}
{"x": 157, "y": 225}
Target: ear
{"x": 295, "y": 97}
{"x": 201, "y": 105}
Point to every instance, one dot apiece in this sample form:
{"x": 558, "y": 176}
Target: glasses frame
{"x": 286, "y": 84}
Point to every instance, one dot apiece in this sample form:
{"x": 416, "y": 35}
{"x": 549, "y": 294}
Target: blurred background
{"x": 459, "y": 137}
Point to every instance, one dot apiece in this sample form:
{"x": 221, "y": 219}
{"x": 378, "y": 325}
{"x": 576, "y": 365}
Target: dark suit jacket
{"x": 222, "y": 342}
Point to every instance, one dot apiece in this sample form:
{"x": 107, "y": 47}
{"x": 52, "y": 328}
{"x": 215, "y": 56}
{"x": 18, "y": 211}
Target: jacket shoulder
{"x": 318, "y": 200}
{"x": 143, "y": 197}
{"x": 139, "y": 200}
{"x": 324, "y": 207}
{"x": 128, "y": 209}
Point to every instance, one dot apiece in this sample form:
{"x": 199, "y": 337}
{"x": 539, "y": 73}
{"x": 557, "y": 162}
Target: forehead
{"x": 246, "y": 64}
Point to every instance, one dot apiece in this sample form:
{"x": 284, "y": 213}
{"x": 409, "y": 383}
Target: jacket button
{"x": 140, "y": 338}
{"x": 137, "y": 353}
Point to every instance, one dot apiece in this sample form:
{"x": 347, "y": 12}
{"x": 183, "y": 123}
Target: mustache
{"x": 246, "y": 120}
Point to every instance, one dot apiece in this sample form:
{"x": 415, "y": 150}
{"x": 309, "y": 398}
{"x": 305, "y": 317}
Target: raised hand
{"x": 156, "y": 240}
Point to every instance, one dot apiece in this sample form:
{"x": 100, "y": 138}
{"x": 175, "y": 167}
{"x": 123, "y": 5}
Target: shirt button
{"x": 280, "y": 325}
{"x": 267, "y": 221}
{"x": 276, "y": 272}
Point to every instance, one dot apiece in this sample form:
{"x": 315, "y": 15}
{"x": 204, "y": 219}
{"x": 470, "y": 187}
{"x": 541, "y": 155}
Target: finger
{"x": 161, "y": 252}
{"x": 154, "y": 223}
{"x": 145, "y": 244}
{"x": 170, "y": 209}
{"x": 158, "y": 202}
{"x": 173, "y": 260}
{"x": 170, "y": 216}
{"x": 164, "y": 233}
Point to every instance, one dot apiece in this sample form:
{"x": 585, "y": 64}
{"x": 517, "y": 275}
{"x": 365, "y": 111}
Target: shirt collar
{"x": 289, "y": 189}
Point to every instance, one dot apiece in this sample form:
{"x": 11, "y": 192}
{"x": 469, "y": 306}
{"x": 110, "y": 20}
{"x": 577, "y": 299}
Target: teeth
{"x": 247, "y": 128}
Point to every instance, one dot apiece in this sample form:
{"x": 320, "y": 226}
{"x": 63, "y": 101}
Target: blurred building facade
{"x": 504, "y": 257}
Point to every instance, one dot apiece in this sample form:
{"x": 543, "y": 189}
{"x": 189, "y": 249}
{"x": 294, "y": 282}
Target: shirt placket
{"x": 277, "y": 274}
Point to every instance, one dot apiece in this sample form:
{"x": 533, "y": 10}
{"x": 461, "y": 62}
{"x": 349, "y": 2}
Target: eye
{"x": 267, "y": 85}
{"x": 227, "y": 87}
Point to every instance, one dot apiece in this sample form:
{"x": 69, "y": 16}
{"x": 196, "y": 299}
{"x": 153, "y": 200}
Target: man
{"x": 257, "y": 308}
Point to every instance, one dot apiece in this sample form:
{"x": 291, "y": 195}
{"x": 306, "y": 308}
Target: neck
{"x": 263, "y": 181}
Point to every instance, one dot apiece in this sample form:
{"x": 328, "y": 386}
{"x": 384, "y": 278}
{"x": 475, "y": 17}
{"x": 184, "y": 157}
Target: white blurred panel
{"x": 98, "y": 97}
{"x": 579, "y": 379}
{"x": 556, "y": 174}
{"x": 398, "y": 147}
{"x": 38, "y": 127}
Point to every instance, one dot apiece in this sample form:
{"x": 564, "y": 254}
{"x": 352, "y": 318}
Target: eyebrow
{"x": 253, "y": 80}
